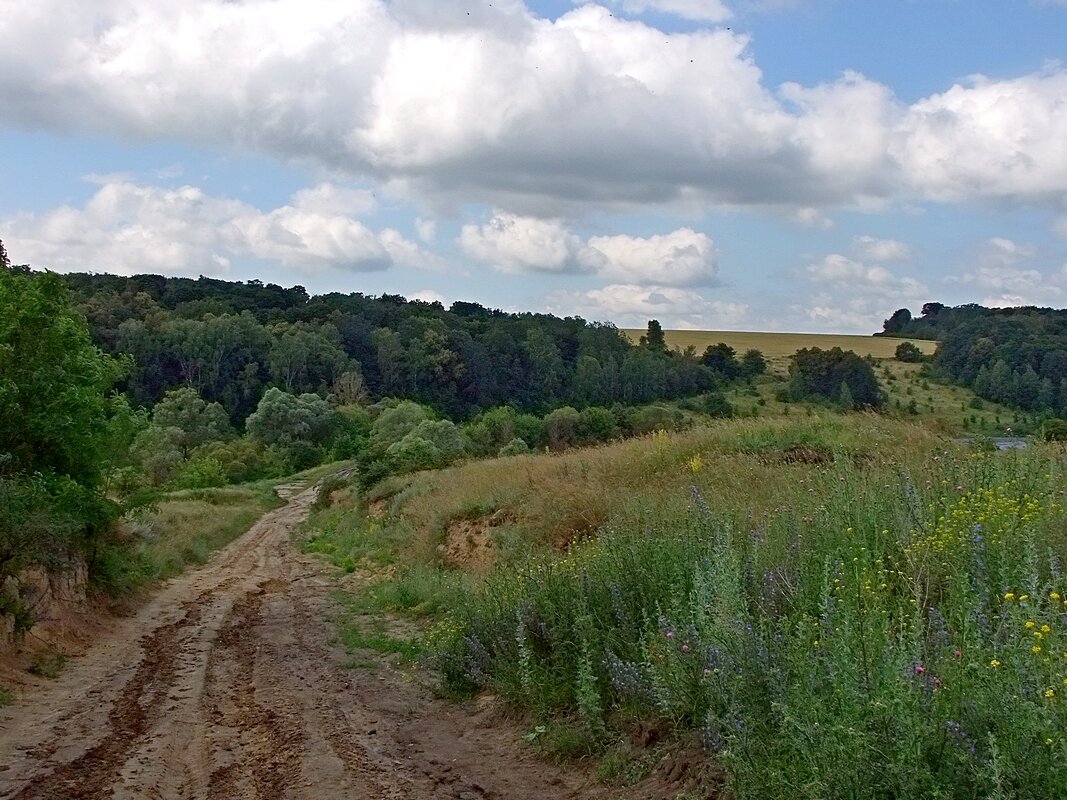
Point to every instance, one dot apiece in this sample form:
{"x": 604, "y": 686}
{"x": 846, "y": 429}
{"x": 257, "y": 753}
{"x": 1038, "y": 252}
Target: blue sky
{"x": 805, "y": 165}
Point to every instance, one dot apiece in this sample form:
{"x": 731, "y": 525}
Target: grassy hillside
{"x": 777, "y": 347}
{"x": 827, "y": 606}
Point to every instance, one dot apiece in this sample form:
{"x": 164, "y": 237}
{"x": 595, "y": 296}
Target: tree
{"x": 820, "y": 373}
{"x": 54, "y": 383}
{"x": 654, "y": 339}
{"x": 909, "y": 353}
{"x": 285, "y": 419}
{"x": 897, "y": 322}
{"x": 196, "y": 421}
{"x": 722, "y": 359}
{"x": 753, "y": 364}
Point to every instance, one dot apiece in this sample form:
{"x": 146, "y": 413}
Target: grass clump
{"x": 878, "y": 632}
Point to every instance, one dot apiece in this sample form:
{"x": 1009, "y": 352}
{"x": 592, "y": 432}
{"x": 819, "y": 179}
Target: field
{"x": 824, "y": 606}
{"x": 777, "y": 347}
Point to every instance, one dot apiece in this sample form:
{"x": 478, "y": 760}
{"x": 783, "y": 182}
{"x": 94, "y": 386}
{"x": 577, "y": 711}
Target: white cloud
{"x": 429, "y": 296}
{"x": 988, "y": 139}
{"x": 855, "y": 296}
{"x": 512, "y": 243}
{"x": 426, "y": 229}
{"x": 506, "y": 108}
{"x": 126, "y": 227}
{"x": 1002, "y": 272}
{"x": 874, "y": 249}
{"x": 680, "y": 258}
{"x": 809, "y": 217}
{"x": 700, "y": 10}
{"x": 517, "y": 244}
{"x": 631, "y": 306}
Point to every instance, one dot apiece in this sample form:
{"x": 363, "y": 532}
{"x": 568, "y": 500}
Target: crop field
{"x": 777, "y": 347}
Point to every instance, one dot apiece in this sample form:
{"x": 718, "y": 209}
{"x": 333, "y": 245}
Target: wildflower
{"x": 958, "y": 653}
{"x": 1030, "y": 624}
{"x": 1050, "y": 693}
{"x": 670, "y": 634}
{"x": 1054, "y": 596}
{"x": 994, "y": 663}
{"x": 685, "y": 648}
{"x": 1035, "y": 649}
{"x": 1046, "y": 629}
{"x": 1023, "y": 598}
{"x": 1009, "y": 596}
{"x": 938, "y": 683}
{"x": 919, "y": 669}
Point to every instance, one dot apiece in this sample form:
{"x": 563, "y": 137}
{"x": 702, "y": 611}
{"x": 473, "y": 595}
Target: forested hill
{"x": 232, "y": 340}
{"x": 1016, "y": 356}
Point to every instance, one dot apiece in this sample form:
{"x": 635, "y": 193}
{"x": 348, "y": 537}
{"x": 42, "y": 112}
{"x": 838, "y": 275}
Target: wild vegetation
{"x": 829, "y": 607}
{"x": 1014, "y": 356}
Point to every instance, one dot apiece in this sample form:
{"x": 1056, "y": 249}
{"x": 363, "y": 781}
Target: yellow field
{"x": 777, "y": 347}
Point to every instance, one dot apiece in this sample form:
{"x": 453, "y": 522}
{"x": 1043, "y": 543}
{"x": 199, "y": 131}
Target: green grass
{"x": 6, "y": 697}
{"x": 802, "y": 595}
{"x": 182, "y": 529}
{"x": 778, "y": 347}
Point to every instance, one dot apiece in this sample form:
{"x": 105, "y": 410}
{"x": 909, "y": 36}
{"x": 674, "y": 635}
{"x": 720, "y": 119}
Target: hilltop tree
{"x": 654, "y": 339}
{"x": 722, "y": 358}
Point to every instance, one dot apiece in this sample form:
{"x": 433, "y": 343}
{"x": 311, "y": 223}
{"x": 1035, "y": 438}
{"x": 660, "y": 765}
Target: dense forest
{"x": 232, "y": 341}
{"x": 1015, "y": 356}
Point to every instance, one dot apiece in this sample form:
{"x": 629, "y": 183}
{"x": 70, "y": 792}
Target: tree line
{"x": 1014, "y": 356}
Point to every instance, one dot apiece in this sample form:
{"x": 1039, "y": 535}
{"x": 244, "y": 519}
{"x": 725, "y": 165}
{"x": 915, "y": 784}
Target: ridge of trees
{"x": 1015, "y": 356}
{"x": 232, "y": 341}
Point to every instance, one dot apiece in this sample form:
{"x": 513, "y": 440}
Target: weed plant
{"x": 880, "y": 632}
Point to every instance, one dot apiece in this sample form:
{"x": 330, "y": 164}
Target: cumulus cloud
{"x": 517, "y": 244}
{"x": 507, "y": 108}
{"x": 680, "y": 258}
{"x": 853, "y": 295}
{"x": 126, "y": 227}
{"x": 1006, "y": 272}
{"x": 873, "y": 249}
{"x": 513, "y": 243}
{"x": 631, "y": 306}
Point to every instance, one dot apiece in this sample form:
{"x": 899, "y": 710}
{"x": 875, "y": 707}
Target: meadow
{"x": 825, "y": 606}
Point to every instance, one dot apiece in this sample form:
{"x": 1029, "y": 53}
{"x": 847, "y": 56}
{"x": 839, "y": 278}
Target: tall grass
{"x": 182, "y": 529}
{"x": 863, "y": 629}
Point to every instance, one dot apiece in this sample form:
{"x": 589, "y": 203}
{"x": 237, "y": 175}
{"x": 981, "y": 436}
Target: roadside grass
{"x": 831, "y": 606}
{"x": 182, "y": 529}
{"x": 778, "y": 347}
{"x": 6, "y": 698}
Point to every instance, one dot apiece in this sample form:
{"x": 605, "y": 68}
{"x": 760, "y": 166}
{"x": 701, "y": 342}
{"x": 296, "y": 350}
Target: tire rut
{"x": 91, "y": 775}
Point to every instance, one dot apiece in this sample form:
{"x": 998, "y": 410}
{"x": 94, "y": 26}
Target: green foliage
{"x": 200, "y": 473}
{"x": 909, "y": 353}
{"x": 722, "y": 359}
{"x": 61, "y": 431}
{"x": 54, "y": 383}
{"x": 815, "y": 373}
{"x": 880, "y": 637}
{"x": 753, "y": 364}
{"x": 197, "y": 422}
{"x": 561, "y": 427}
{"x": 1055, "y": 430}
{"x": 516, "y": 447}
{"x": 286, "y": 419}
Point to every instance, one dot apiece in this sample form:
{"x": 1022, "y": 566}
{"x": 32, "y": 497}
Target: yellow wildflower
{"x": 1009, "y": 596}
{"x": 1035, "y": 649}
{"x": 1046, "y": 629}
{"x": 1050, "y": 693}
{"x": 1030, "y": 623}
{"x": 994, "y": 663}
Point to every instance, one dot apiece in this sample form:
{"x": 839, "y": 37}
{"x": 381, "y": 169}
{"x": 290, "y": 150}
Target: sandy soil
{"x": 227, "y": 685}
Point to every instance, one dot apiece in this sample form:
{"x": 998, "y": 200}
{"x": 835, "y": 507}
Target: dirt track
{"x": 227, "y": 686}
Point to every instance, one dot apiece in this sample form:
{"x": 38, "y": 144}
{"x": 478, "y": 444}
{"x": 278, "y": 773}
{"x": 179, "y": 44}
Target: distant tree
{"x": 282, "y": 418}
{"x": 5, "y": 262}
{"x": 196, "y": 421}
{"x": 909, "y": 353}
{"x": 753, "y": 363}
{"x": 654, "y": 339}
{"x": 820, "y": 373}
{"x": 896, "y": 323}
{"x": 561, "y": 427}
{"x": 722, "y": 359}
{"x": 932, "y": 309}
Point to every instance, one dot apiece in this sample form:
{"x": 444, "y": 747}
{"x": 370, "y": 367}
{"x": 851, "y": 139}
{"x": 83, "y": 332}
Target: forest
{"x": 1014, "y": 356}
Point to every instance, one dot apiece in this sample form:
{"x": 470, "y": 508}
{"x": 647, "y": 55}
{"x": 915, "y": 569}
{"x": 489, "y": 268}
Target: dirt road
{"x": 227, "y": 686}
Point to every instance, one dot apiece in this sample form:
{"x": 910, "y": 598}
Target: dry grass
{"x": 746, "y": 466}
{"x": 778, "y": 347}
{"x": 187, "y": 526}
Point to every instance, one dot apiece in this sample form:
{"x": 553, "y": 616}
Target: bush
{"x": 820, "y": 374}
{"x": 200, "y": 473}
{"x": 909, "y": 353}
{"x": 516, "y": 447}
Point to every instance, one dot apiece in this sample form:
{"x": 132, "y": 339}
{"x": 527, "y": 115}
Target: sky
{"x": 795, "y": 165}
